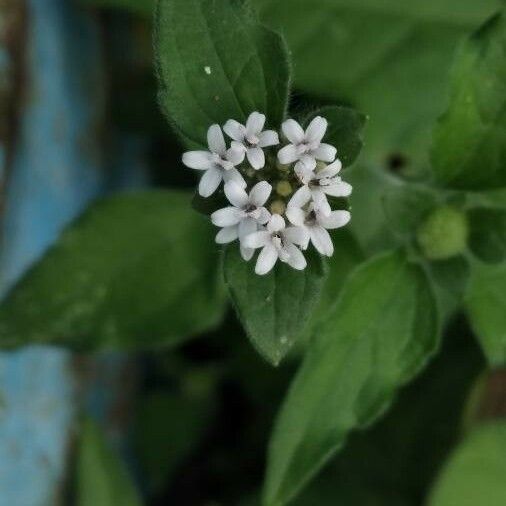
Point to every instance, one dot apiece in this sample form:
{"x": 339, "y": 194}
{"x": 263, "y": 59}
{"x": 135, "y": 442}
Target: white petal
{"x": 215, "y": 140}
{"x": 227, "y": 217}
{"x": 296, "y": 215}
{"x": 246, "y": 253}
{"x": 266, "y": 260}
{"x": 255, "y": 123}
{"x": 300, "y": 198}
{"x": 234, "y": 130}
{"x": 247, "y": 227}
{"x": 236, "y": 194}
{"x": 200, "y": 160}
{"x": 276, "y": 223}
{"x": 297, "y": 235}
{"x": 305, "y": 171}
{"x": 321, "y": 241}
{"x": 293, "y": 131}
{"x": 264, "y": 216}
{"x": 257, "y": 239}
{"x": 316, "y": 130}
{"x": 325, "y": 153}
{"x": 256, "y": 157}
{"x": 235, "y": 154}
{"x": 268, "y": 138}
{"x": 260, "y": 193}
{"x": 331, "y": 170}
{"x": 339, "y": 189}
{"x": 320, "y": 202}
{"x": 238, "y": 146}
{"x": 227, "y": 234}
{"x": 210, "y": 181}
{"x": 336, "y": 219}
{"x": 234, "y": 175}
{"x": 288, "y": 154}
{"x": 295, "y": 257}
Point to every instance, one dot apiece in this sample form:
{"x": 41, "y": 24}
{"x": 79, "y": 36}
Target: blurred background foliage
{"x": 199, "y": 414}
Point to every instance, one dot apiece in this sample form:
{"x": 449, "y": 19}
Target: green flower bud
{"x": 281, "y": 167}
{"x": 284, "y": 188}
{"x": 278, "y": 207}
{"x": 443, "y": 234}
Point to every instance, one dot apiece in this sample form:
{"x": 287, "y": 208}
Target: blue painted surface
{"x": 57, "y": 167}
{"x": 56, "y": 171}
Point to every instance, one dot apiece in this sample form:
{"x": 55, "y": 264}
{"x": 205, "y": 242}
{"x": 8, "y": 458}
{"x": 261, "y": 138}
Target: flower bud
{"x": 278, "y": 207}
{"x": 443, "y": 234}
{"x": 284, "y": 188}
{"x": 281, "y": 167}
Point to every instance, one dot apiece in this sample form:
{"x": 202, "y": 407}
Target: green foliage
{"x": 469, "y": 149}
{"x": 142, "y": 7}
{"x": 169, "y": 426}
{"x": 102, "y": 479}
{"x": 379, "y": 334}
{"x": 488, "y": 234}
{"x": 216, "y": 62}
{"x": 486, "y": 307}
{"x": 347, "y": 255}
{"x": 344, "y": 131}
{"x": 475, "y": 473}
{"x": 443, "y": 234}
{"x": 394, "y": 462}
{"x": 274, "y": 309}
{"x": 388, "y": 58}
{"x": 406, "y": 205}
{"x": 136, "y": 270}
{"x": 451, "y": 277}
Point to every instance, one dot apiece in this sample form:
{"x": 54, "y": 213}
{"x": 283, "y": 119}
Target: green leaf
{"x": 102, "y": 479}
{"x": 486, "y": 307}
{"x": 406, "y": 205}
{"x": 136, "y": 270}
{"x": 380, "y": 333}
{"x": 344, "y": 131}
{"x": 164, "y": 440}
{"x": 388, "y": 58}
{"x": 487, "y": 238}
{"x": 347, "y": 255}
{"x": 475, "y": 473}
{"x": 274, "y": 309}
{"x": 451, "y": 277}
{"x": 469, "y": 150}
{"x": 216, "y": 62}
{"x": 142, "y": 7}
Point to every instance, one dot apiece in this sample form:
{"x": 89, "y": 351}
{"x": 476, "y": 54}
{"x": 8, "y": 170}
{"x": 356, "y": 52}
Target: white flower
{"x": 306, "y": 146}
{"x": 278, "y": 241}
{"x": 219, "y": 162}
{"x": 320, "y": 183}
{"x": 316, "y": 223}
{"x": 244, "y": 216}
{"x": 250, "y": 139}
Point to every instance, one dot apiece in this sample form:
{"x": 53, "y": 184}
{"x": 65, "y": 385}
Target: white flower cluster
{"x": 304, "y": 171}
